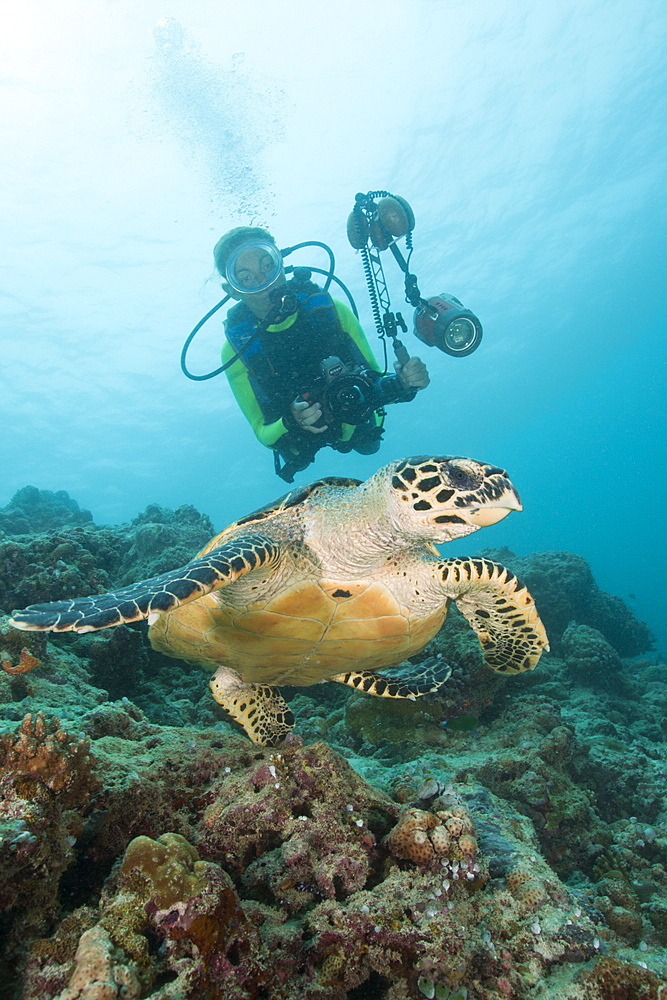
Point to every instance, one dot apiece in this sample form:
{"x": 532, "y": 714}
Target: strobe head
{"x": 445, "y": 323}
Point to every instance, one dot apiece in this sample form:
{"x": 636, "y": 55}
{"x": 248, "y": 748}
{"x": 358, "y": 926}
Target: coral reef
{"x": 283, "y": 880}
{"x": 170, "y": 913}
{"x": 161, "y": 539}
{"x": 500, "y": 839}
{"x": 63, "y": 553}
{"x": 53, "y": 566}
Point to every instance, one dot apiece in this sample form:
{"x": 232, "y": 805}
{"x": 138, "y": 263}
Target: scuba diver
{"x": 309, "y": 378}
{"x": 298, "y": 361}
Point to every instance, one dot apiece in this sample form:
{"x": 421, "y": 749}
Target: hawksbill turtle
{"x": 334, "y": 581}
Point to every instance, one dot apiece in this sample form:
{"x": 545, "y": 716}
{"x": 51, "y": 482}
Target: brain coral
{"x": 423, "y": 837}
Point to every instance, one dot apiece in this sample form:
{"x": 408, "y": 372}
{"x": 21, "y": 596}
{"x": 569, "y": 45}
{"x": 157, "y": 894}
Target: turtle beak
{"x": 482, "y": 517}
{"x": 495, "y": 510}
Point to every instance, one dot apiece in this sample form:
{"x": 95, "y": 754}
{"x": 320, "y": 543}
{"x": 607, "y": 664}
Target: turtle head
{"x": 441, "y": 497}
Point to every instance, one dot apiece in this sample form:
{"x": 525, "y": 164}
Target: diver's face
{"x": 254, "y": 267}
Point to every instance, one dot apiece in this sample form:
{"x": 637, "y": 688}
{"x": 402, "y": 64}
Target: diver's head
{"x": 251, "y": 264}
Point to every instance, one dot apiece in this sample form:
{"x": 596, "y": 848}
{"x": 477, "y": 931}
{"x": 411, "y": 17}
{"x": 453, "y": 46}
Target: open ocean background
{"x": 529, "y": 138}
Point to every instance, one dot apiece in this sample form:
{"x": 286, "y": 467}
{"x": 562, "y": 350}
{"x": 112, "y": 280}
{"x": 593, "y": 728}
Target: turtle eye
{"x": 459, "y": 476}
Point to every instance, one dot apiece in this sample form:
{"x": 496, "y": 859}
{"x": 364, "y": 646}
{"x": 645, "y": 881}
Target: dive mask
{"x": 253, "y": 267}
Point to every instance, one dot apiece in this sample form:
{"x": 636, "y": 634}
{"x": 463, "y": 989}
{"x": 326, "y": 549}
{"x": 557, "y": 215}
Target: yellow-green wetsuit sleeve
{"x": 239, "y": 382}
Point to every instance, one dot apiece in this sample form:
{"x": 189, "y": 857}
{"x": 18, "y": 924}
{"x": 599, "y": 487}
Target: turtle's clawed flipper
{"x": 386, "y": 687}
{"x": 500, "y": 610}
{"x": 260, "y": 709}
{"x": 152, "y": 598}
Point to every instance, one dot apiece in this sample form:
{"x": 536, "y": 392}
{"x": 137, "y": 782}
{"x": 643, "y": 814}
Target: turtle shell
{"x": 306, "y": 633}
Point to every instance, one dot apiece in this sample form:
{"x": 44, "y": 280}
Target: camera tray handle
{"x": 401, "y": 351}
{"x": 391, "y": 323}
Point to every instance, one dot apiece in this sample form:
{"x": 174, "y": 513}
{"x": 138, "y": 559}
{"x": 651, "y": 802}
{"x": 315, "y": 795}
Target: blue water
{"x": 529, "y": 139}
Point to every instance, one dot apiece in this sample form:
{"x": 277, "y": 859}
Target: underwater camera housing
{"x": 346, "y": 395}
{"x": 445, "y": 323}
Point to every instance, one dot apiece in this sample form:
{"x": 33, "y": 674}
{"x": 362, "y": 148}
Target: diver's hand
{"x": 413, "y": 374}
{"x": 306, "y": 415}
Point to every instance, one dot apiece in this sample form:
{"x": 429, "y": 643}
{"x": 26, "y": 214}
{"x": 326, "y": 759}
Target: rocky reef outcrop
{"x": 31, "y": 510}
{"x": 63, "y": 553}
{"x": 565, "y": 592}
{"x": 164, "y": 863}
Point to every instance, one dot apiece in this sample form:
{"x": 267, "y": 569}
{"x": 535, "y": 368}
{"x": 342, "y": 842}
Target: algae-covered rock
{"x": 590, "y": 657}
{"x": 58, "y": 553}
{"x": 53, "y": 566}
{"x": 161, "y": 539}
{"x": 565, "y": 591}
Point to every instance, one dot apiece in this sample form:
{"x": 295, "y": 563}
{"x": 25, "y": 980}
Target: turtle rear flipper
{"x": 152, "y": 598}
{"x": 259, "y": 708}
{"x": 500, "y": 610}
{"x": 389, "y": 687}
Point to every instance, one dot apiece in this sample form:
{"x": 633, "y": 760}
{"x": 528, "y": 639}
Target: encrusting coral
{"x": 44, "y": 756}
{"x": 46, "y": 781}
{"x": 98, "y": 974}
{"x": 26, "y": 662}
{"x": 163, "y": 890}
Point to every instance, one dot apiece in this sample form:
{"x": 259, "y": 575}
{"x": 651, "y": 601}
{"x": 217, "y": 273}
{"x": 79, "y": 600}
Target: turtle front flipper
{"x": 385, "y": 687}
{"x": 152, "y": 598}
{"x": 260, "y": 709}
{"x": 499, "y": 609}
